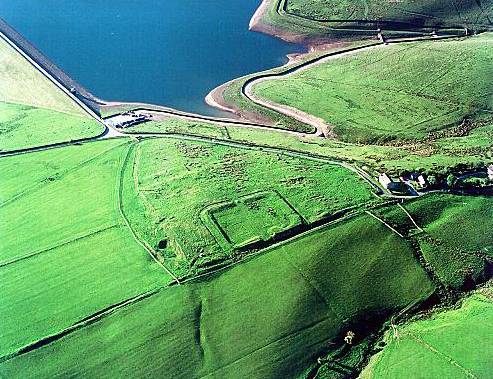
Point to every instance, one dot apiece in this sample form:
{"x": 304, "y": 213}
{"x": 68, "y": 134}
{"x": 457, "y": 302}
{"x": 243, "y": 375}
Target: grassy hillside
{"x": 22, "y": 83}
{"x": 458, "y": 255}
{"x": 163, "y": 173}
{"x": 304, "y": 20}
{"x": 450, "y": 344}
{"x": 426, "y": 13}
{"x": 24, "y": 126}
{"x": 34, "y": 111}
{"x": 268, "y": 317}
{"x": 433, "y": 154}
{"x": 65, "y": 252}
{"x": 372, "y": 96}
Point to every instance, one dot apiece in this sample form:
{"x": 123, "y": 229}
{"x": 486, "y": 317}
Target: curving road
{"x": 322, "y": 128}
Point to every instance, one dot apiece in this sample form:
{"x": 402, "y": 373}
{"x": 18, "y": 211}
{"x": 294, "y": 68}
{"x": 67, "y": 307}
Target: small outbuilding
{"x": 385, "y": 180}
{"x": 421, "y": 181}
{"x": 490, "y": 172}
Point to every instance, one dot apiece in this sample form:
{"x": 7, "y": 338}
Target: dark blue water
{"x": 168, "y": 52}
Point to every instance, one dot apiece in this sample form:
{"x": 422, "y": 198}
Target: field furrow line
{"x": 58, "y": 245}
{"x": 95, "y": 317}
{"x": 384, "y": 223}
{"x": 313, "y": 286}
{"x": 322, "y": 340}
{"x": 453, "y": 362}
{"x": 410, "y": 217}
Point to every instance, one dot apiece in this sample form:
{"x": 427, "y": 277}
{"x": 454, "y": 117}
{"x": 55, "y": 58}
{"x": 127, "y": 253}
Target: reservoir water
{"x": 167, "y": 52}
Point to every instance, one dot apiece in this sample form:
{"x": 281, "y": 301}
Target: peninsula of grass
{"x": 395, "y": 92}
{"x": 322, "y": 284}
{"x": 450, "y": 344}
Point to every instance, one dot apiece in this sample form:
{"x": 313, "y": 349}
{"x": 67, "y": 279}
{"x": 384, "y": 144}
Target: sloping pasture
{"x": 22, "y": 83}
{"x": 451, "y": 344}
{"x": 425, "y": 13}
{"x": 393, "y": 92}
{"x": 23, "y": 126}
{"x": 457, "y": 242}
{"x": 79, "y": 200}
{"x": 268, "y": 317}
{"x": 33, "y": 110}
{"x": 44, "y": 166}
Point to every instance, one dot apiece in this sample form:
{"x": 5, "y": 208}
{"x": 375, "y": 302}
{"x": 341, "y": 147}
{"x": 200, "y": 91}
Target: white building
{"x": 490, "y": 172}
{"x": 384, "y": 180}
{"x": 421, "y": 181}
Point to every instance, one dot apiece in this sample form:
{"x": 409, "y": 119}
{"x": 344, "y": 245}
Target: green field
{"x": 24, "y": 126}
{"x": 451, "y": 344}
{"x": 249, "y": 219}
{"x": 428, "y": 154}
{"x": 371, "y": 96}
{"x": 456, "y": 243}
{"x": 455, "y": 268}
{"x": 475, "y": 216}
{"x": 174, "y": 125}
{"x": 161, "y": 173}
{"x": 65, "y": 252}
{"x": 56, "y": 205}
{"x": 230, "y": 325}
{"x": 195, "y": 249}
{"x": 440, "y": 214}
{"x": 33, "y": 110}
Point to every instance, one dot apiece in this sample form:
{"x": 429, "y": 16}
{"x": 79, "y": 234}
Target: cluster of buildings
{"x": 414, "y": 181}
{"x": 403, "y": 185}
{"x": 128, "y": 119}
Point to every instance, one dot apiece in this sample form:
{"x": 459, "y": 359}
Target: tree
{"x": 432, "y": 180}
{"x": 479, "y": 165}
{"x": 451, "y": 181}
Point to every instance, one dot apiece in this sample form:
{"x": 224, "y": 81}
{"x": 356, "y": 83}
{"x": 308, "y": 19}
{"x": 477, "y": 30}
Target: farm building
{"x": 127, "y": 119}
{"x": 385, "y": 180}
{"x": 421, "y": 181}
